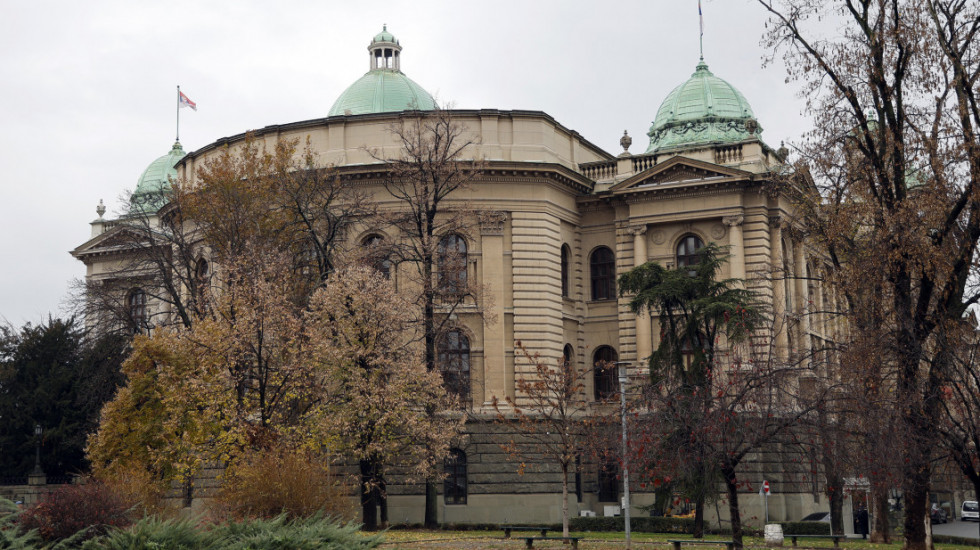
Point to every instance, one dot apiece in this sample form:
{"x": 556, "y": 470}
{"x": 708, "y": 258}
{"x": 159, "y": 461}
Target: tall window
{"x": 566, "y": 354}
{"x": 608, "y": 484}
{"x": 687, "y": 250}
{"x": 454, "y": 362}
{"x": 451, "y": 263}
{"x": 602, "y": 265}
{"x": 605, "y": 377}
{"x": 376, "y": 255}
{"x": 565, "y": 256}
{"x": 454, "y": 488}
{"x": 136, "y": 303}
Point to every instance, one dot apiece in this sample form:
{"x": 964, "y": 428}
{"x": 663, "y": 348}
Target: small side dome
{"x": 149, "y": 194}
{"x": 703, "y": 110}
{"x": 385, "y": 88}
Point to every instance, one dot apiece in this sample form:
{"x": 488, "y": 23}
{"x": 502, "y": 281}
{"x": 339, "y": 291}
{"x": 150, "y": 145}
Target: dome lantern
{"x": 385, "y": 51}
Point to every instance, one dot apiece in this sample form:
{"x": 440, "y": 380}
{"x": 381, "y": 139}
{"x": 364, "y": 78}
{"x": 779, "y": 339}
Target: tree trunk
{"x": 731, "y": 485}
{"x": 564, "y": 499}
{"x": 916, "y": 507}
{"x": 382, "y": 497}
{"x": 431, "y": 505}
{"x": 699, "y": 515}
{"x": 369, "y": 516}
{"x": 879, "y": 531}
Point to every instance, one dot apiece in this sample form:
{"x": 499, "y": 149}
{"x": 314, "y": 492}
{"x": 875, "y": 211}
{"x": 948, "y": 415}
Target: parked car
{"x": 937, "y": 514}
{"x": 970, "y": 511}
{"x": 822, "y": 517}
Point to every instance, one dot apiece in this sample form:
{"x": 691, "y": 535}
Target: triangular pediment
{"x": 117, "y": 239}
{"x": 678, "y": 171}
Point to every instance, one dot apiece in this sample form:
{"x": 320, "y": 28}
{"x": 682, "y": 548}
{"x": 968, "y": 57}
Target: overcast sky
{"x": 88, "y": 95}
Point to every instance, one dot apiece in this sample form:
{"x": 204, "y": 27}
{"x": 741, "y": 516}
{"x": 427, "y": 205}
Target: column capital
{"x": 777, "y": 221}
{"x": 638, "y": 230}
{"x": 492, "y": 222}
{"x": 733, "y": 221}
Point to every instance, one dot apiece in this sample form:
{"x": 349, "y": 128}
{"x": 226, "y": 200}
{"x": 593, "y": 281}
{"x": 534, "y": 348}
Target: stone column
{"x": 736, "y": 244}
{"x": 777, "y": 276}
{"x": 494, "y": 347}
{"x": 643, "y": 330}
{"x": 802, "y": 294}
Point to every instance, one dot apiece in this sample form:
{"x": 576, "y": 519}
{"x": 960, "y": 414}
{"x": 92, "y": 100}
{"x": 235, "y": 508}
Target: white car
{"x": 970, "y": 511}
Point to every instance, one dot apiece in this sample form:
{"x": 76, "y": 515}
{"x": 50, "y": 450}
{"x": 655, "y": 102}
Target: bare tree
{"x": 551, "y": 417}
{"x": 895, "y": 161}
{"x": 432, "y": 225}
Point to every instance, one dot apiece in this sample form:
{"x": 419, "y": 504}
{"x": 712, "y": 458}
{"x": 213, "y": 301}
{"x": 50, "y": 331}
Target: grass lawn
{"x": 479, "y": 540}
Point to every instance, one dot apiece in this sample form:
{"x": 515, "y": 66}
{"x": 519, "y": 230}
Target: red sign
{"x": 765, "y": 487}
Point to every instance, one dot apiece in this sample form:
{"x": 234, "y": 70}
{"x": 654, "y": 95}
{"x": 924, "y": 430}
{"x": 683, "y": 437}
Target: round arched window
{"x": 687, "y": 250}
{"x": 604, "y": 375}
{"x": 602, "y": 266}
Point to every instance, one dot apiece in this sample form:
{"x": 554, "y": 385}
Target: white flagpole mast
{"x": 701, "y": 21}
{"x": 178, "y": 114}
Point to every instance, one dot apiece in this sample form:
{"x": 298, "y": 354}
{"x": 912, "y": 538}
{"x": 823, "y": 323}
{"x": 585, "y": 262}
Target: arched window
{"x": 602, "y": 265}
{"x": 567, "y": 354}
{"x": 687, "y": 250}
{"x": 376, "y": 256}
{"x": 451, "y": 263}
{"x": 202, "y": 270}
{"x": 454, "y": 488}
{"x": 454, "y": 362}
{"x": 136, "y": 304}
{"x": 566, "y": 254}
{"x": 604, "y": 375}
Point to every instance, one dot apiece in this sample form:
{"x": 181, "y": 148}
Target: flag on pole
{"x": 184, "y": 101}
{"x": 701, "y": 17}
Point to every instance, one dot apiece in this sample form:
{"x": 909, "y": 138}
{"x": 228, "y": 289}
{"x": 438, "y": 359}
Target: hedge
{"x": 804, "y": 527}
{"x": 639, "y": 525}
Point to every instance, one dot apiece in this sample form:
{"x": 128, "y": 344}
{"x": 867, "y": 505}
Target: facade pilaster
{"x": 494, "y": 346}
{"x": 778, "y": 276}
{"x": 736, "y": 244}
{"x": 644, "y": 346}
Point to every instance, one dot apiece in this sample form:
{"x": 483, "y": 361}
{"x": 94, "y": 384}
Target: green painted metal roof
{"x": 382, "y": 91}
{"x": 384, "y": 36}
{"x": 156, "y": 179}
{"x": 705, "y": 109}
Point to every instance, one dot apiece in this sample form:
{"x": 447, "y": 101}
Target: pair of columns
{"x": 644, "y": 336}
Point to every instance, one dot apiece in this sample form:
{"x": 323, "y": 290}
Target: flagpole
{"x": 701, "y": 23}
{"x": 178, "y": 114}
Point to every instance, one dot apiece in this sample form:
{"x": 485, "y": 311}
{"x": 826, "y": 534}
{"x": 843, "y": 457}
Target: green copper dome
{"x": 382, "y": 91}
{"x": 155, "y": 180}
{"x": 703, "y": 110}
{"x": 385, "y": 88}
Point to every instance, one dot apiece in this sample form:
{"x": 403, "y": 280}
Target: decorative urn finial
{"x": 626, "y": 141}
{"x": 100, "y": 209}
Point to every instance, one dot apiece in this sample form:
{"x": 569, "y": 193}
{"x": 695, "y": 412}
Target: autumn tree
{"x": 173, "y": 240}
{"x": 549, "y": 417}
{"x": 432, "y": 226}
{"x": 894, "y": 161}
{"x": 378, "y": 390}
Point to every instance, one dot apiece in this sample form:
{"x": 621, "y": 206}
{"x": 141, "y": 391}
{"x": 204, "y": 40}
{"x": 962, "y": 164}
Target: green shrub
{"x": 152, "y": 532}
{"x": 12, "y": 536}
{"x": 805, "y": 528}
{"x": 281, "y": 533}
{"x": 639, "y": 525}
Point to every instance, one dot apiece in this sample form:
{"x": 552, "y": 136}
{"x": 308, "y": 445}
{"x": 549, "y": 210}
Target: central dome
{"x": 705, "y": 109}
{"x": 385, "y": 88}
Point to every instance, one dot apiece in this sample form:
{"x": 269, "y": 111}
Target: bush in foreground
{"x": 79, "y": 511}
{"x": 12, "y": 536}
{"x": 640, "y": 524}
{"x": 271, "y": 482}
{"x": 281, "y": 533}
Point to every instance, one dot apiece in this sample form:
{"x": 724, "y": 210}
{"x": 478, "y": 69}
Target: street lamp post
{"x": 37, "y": 454}
{"x": 626, "y": 461}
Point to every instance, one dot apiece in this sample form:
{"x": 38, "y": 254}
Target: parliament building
{"x": 561, "y": 220}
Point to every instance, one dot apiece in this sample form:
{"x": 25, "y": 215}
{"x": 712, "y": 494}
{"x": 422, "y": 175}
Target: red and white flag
{"x": 184, "y": 101}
